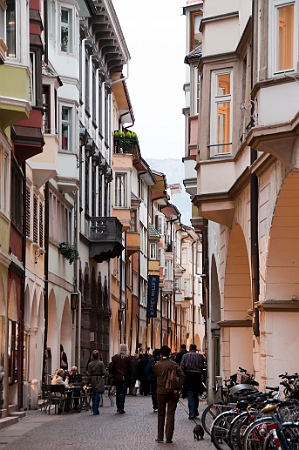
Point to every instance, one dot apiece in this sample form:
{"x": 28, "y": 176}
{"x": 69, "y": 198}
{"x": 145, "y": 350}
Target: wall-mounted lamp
{"x": 108, "y": 175}
{"x": 121, "y": 314}
{"x": 102, "y": 166}
{"x": 83, "y": 137}
{"x": 74, "y": 301}
{"x": 90, "y": 148}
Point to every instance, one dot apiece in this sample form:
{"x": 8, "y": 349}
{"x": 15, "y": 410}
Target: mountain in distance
{"x": 174, "y": 171}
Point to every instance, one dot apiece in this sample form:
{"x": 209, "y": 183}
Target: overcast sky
{"x": 155, "y": 35}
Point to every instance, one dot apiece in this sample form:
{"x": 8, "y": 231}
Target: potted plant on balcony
{"x": 125, "y": 142}
{"x": 68, "y": 251}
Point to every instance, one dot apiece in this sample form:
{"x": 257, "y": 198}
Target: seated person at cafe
{"x": 75, "y": 380}
{"x": 74, "y": 377}
{"x": 58, "y": 378}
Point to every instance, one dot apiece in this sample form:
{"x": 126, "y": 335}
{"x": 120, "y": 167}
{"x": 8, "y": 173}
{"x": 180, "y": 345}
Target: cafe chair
{"x": 56, "y": 396}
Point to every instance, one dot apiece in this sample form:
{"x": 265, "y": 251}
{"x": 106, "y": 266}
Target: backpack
{"x": 172, "y": 382}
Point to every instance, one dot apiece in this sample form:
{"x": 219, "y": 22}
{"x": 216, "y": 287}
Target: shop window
{"x": 13, "y": 330}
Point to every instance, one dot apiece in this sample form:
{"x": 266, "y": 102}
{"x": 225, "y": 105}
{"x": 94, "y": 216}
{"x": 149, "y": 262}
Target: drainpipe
{"x": 254, "y": 205}
{"x": 22, "y": 291}
{"x": 46, "y": 274}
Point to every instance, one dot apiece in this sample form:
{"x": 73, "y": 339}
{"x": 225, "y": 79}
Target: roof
{"x": 196, "y": 53}
{"x": 152, "y": 232}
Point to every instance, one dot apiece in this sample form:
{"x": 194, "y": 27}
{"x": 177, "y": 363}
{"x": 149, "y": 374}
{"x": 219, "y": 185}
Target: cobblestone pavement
{"x": 135, "y": 430}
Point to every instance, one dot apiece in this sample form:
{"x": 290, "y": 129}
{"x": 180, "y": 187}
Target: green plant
{"x": 125, "y": 140}
{"x": 68, "y": 251}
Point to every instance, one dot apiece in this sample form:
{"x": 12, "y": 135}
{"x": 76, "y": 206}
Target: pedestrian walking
{"x": 153, "y": 377}
{"x": 97, "y": 372}
{"x": 121, "y": 369}
{"x": 192, "y": 364}
{"x": 133, "y": 388}
{"x": 167, "y": 397}
{"x": 142, "y": 374}
{"x": 179, "y": 356}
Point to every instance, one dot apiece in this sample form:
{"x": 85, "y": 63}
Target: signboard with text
{"x": 152, "y": 295}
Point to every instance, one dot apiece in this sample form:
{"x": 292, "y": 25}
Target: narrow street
{"x": 137, "y": 429}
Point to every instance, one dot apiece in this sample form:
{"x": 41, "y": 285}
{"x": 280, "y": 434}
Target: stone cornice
{"x": 235, "y": 323}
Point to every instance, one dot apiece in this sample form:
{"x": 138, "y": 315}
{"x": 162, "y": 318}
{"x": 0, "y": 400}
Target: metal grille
{"x": 27, "y": 212}
{"x": 35, "y": 219}
{"x": 41, "y": 225}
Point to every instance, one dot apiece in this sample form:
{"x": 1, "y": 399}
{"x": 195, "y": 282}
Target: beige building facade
{"x": 247, "y": 170}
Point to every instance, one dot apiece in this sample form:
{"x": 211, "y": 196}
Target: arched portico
{"x": 65, "y": 331}
{"x": 236, "y": 324}
{"x": 279, "y": 311}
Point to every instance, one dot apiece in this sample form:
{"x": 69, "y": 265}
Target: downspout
{"x": 193, "y": 285}
{"x": 46, "y": 274}
{"x": 254, "y": 204}
{"x": 45, "y": 25}
{"x": 22, "y": 289}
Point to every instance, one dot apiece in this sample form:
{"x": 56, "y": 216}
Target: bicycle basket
{"x": 242, "y": 378}
{"x": 288, "y": 411}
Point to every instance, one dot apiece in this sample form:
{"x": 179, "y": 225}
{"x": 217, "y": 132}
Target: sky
{"x": 154, "y": 31}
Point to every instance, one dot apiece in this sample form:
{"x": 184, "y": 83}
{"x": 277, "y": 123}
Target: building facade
{"x": 246, "y": 184}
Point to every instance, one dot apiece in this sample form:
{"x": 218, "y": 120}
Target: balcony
{"x": 14, "y": 95}
{"x": 132, "y": 243}
{"x": 105, "y": 236}
{"x": 125, "y": 142}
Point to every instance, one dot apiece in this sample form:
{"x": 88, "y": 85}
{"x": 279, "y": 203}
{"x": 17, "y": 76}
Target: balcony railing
{"x": 125, "y": 142}
{"x": 105, "y": 236}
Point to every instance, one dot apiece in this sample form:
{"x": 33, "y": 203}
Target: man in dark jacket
{"x": 192, "y": 364}
{"x": 179, "y": 356}
{"x": 170, "y": 399}
{"x": 153, "y": 377}
{"x": 121, "y": 369}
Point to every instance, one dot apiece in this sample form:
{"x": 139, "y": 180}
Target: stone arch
{"x": 215, "y": 295}
{"x": 280, "y": 291}
{"x": 2, "y": 298}
{"x": 27, "y": 308}
{"x": 236, "y": 332}
{"x": 237, "y": 286}
{"x": 65, "y": 330}
{"x": 53, "y": 336}
{"x": 197, "y": 341}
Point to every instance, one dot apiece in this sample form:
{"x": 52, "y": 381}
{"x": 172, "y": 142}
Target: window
{"x": 60, "y": 221}
{"x": 66, "y": 128}
{"x": 32, "y": 87}
{"x": 285, "y": 37}
{"x": 177, "y": 285}
{"x": 12, "y": 350}
{"x": 153, "y": 250}
{"x": 120, "y": 190}
{"x": 195, "y": 34}
{"x": 66, "y": 30}
{"x": 16, "y": 199}
{"x": 4, "y": 181}
{"x": 221, "y": 110}
{"x": 11, "y": 28}
{"x": 133, "y": 220}
{"x": 46, "y": 109}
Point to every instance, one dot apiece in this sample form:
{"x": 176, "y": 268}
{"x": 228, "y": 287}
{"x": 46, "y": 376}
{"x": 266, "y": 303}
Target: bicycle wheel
{"x": 291, "y": 434}
{"x": 234, "y": 429}
{"x": 220, "y": 429}
{"x": 209, "y": 415}
{"x": 256, "y": 433}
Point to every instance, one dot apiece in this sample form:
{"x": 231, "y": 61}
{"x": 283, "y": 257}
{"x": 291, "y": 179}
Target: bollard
{"x": 34, "y": 394}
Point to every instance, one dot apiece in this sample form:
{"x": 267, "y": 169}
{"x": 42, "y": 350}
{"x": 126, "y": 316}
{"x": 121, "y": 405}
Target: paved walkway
{"x": 135, "y": 430}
